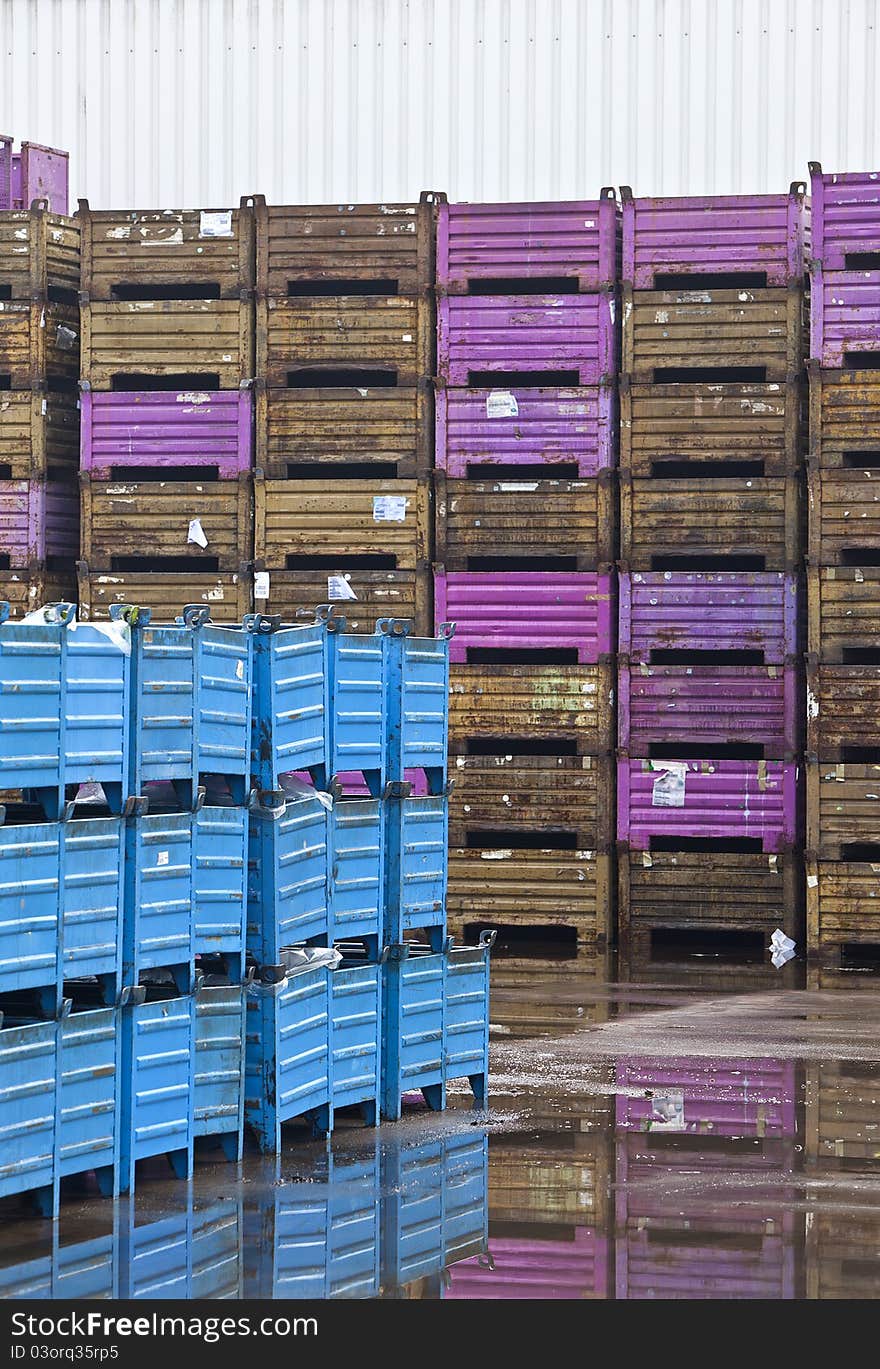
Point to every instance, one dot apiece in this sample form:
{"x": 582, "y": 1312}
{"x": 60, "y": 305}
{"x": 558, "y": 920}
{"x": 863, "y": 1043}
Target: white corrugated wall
{"x": 182, "y": 102}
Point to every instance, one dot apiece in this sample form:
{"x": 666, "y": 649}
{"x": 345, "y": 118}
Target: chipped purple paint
{"x": 146, "y": 428}
{"x": 737, "y": 1097}
{"x": 709, "y": 705}
{"x": 37, "y": 519}
{"x": 510, "y": 333}
{"x": 726, "y": 798}
{"x": 709, "y": 611}
{"x": 550, "y": 426}
{"x": 715, "y": 234}
{"x": 845, "y": 303}
{"x": 573, "y": 238}
{"x": 534, "y": 1267}
{"x": 525, "y": 609}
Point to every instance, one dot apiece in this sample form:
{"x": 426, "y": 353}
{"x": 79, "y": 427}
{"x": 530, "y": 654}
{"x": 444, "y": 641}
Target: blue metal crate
{"x": 435, "y": 1022}
{"x": 434, "y": 1205}
{"x": 157, "y": 1085}
{"x": 287, "y": 881}
{"x": 92, "y": 887}
{"x": 416, "y": 865}
{"x": 87, "y": 1269}
{"x": 30, "y": 931}
{"x": 31, "y": 1278}
{"x": 28, "y": 1110}
{"x": 289, "y": 730}
{"x": 218, "y": 1105}
{"x": 356, "y": 835}
{"x": 216, "y": 1251}
{"x": 154, "y": 1257}
{"x": 220, "y": 854}
{"x": 417, "y": 681}
{"x": 357, "y": 692}
{"x": 64, "y": 707}
{"x": 90, "y": 1089}
{"x": 158, "y": 930}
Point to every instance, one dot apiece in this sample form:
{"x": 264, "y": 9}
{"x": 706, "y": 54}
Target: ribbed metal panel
{"x": 183, "y": 102}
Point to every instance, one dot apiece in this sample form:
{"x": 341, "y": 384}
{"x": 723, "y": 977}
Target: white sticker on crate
{"x": 215, "y": 223}
{"x": 667, "y": 1111}
{"x": 501, "y": 404}
{"x": 261, "y": 584}
{"x": 389, "y": 508}
{"x": 669, "y": 786}
{"x": 239, "y": 670}
{"x": 338, "y": 587}
{"x": 162, "y": 858}
{"x": 196, "y": 533}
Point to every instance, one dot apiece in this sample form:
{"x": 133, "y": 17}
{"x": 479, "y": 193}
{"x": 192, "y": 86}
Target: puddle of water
{"x": 692, "y": 1130}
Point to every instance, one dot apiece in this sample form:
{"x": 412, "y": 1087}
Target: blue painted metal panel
{"x": 417, "y": 675}
{"x": 358, "y": 711}
{"x": 92, "y": 886}
{"x": 435, "y": 1205}
{"x": 90, "y": 1095}
{"x": 28, "y": 1107}
{"x": 355, "y": 1031}
{"x": 289, "y": 730}
{"x": 30, "y": 705}
{"x": 356, "y": 868}
{"x": 287, "y": 895}
{"x": 466, "y": 1024}
{"x": 27, "y": 1278}
{"x": 87, "y": 1269}
{"x": 158, "y": 924}
{"x": 29, "y": 908}
{"x": 157, "y": 1085}
{"x": 154, "y": 1258}
{"x": 218, "y": 1106}
{"x": 220, "y": 853}
{"x": 97, "y": 703}
{"x": 466, "y": 1196}
{"x": 224, "y": 677}
{"x": 216, "y": 1251}
{"x": 416, "y": 867}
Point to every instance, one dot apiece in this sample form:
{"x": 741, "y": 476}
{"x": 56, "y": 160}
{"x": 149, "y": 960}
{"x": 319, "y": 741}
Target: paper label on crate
{"x": 339, "y": 588}
{"x": 668, "y": 789}
{"x": 239, "y": 670}
{"x": 215, "y": 223}
{"x": 667, "y": 1111}
{"x": 812, "y": 881}
{"x": 162, "y": 858}
{"x": 196, "y": 533}
{"x": 65, "y": 338}
{"x": 501, "y": 404}
{"x": 389, "y": 508}
{"x": 261, "y": 584}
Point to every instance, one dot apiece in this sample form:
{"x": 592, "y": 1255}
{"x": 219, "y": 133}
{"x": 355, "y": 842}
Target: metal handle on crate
{"x": 196, "y": 615}
{"x": 394, "y": 627}
{"x": 261, "y": 623}
{"x": 131, "y": 614}
{"x": 61, "y": 613}
{"x": 446, "y": 631}
{"x": 487, "y": 938}
{"x": 333, "y": 620}
{"x": 486, "y": 1261}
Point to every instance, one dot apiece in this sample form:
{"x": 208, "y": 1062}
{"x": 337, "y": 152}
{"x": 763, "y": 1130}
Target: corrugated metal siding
{"x": 196, "y": 101}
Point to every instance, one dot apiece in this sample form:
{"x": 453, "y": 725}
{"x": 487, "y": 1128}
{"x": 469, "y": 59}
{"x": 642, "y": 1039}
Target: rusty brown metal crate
{"x": 380, "y": 594}
{"x": 843, "y": 705}
{"x": 843, "y": 806}
{"x": 26, "y": 590}
{"x": 841, "y": 1249}
{"x": 39, "y": 251}
{"x": 341, "y": 426}
{"x": 366, "y": 333}
{"x": 38, "y": 343}
{"x": 341, "y": 519}
{"x": 524, "y": 518}
{"x": 572, "y": 703}
{"x": 347, "y": 242}
{"x": 157, "y": 248}
{"x": 530, "y": 888}
{"x": 153, "y": 517}
{"x": 706, "y": 891}
{"x": 551, "y": 998}
{"x": 844, "y": 515}
{"x": 660, "y": 518}
{"x": 844, "y": 415}
{"x": 39, "y": 434}
{"x": 842, "y": 1116}
{"x": 153, "y": 338}
{"x": 843, "y": 609}
{"x": 712, "y": 423}
{"x": 229, "y": 597}
{"x": 843, "y": 906}
{"x": 551, "y": 1179}
{"x": 533, "y": 794}
{"x": 670, "y": 329}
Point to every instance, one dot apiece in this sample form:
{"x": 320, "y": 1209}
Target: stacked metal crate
{"x": 34, "y": 172}
{"x": 710, "y": 474}
{"x": 167, "y": 308}
{"x": 524, "y": 547}
{"x": 39, "y": 424}
{"x": 345, "y": 347}
{"x": 843, "y": 684}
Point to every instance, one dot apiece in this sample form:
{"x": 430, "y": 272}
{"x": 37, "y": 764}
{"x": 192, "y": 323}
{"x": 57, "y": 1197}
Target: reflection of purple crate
{"x": 176, "y": 428}
{"x": 845, "y": 304}
{"x": 709, "y": 611}
{"x": 525, "y": 427}
{"x": 718, "y": 799}
{"x": 37, "y": 519}
{"x": 713, "y": 705}
{"x": 534, "y": 1268}
{"x": 516, "y": 333}
{"x": 576, "y": 239}
{"x": 715, "y": 235}
{"x": 525, "y": 610}
{"x": 733, "y": 1098}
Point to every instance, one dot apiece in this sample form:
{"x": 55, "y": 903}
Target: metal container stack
{"x": 33, "y": 173}
{"x": 710, "y": 474}
{"x": 39, "y": 423}
{"x": 167, "y": 309}
{"x": 843, "y": 680}
{"x": 524, "y": 550}
{"x": 345, "y": 355}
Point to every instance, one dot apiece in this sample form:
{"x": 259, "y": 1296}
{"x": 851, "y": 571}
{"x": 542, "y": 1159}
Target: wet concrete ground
{"x": 690, "y": 1130}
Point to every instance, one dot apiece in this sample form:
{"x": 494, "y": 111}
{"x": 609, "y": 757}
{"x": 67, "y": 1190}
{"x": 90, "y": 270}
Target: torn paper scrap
{"x": 669, "y": 787}
{"x": 338, "y": 587}
{"x": 196, "y": 533}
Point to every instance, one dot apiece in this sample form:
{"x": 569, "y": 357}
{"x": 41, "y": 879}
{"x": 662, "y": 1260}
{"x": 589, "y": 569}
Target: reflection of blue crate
{"x": 90, "y": 1092}
{"x": 157, "y": 1085}
{"x": 220, "y": 853}
{"x": 158, "y": 930}
{"x": 434, "y": 1205}
{"x": 81, "y": 1269}
{"x": 216, "y": 1251}
{"x": 290, "y": 704}
{"x": 28, "y": 1111}
{"x": 287, "y": 879}
{"x": 435, "y": 1009}
{"x": 64, "y": 707}
{"x": 191, "y": 1253}
{"x": 218, "y": 1105}
{"x": 312, "y": 1046}
{"x": 416, "y": 868}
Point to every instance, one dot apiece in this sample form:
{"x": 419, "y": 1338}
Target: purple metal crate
{"x": 37, "y": 519}
{"x": 40, "y": 173}
{"x": 845, "y": 303}
{"x": 573, "y": 238}
{"x": 5, "y": 171}
{"x": 535, "y": 1268}
{"x": 714, "y": 235}
{"x": 521, "y": 427}
{"x": 712, "y": 705}
{"x": 515, "y": 333}
{"x": 717, "y": 799}
{"x": 709, "y": 611}
{"x": 156, "y": 428}
{"x": 738, "y": 1097}
{"x": 845, "y": 315}
{"x": 525, "y": 609}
